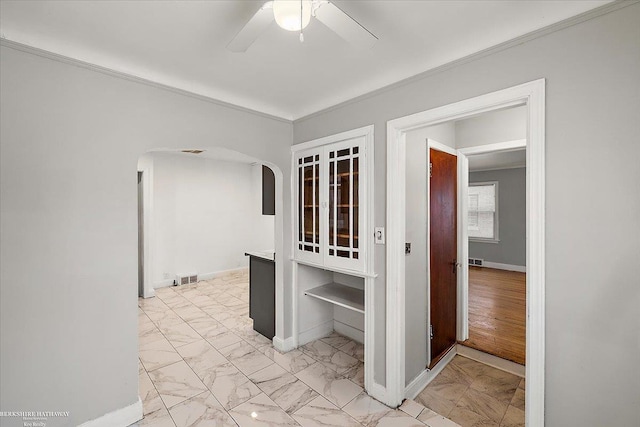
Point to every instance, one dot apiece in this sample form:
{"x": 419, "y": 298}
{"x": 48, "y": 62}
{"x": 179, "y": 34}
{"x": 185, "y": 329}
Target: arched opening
{"x": 234, "y": 181}
{"x": 200, "y": 211}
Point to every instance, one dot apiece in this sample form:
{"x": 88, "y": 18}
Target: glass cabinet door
{"x": 344, "y": 215}
{"x": 330, "y": 216}
{"x": 309, "y": 204}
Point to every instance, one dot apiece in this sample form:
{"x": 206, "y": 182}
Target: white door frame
{"x": 463, "y": 229}
{"x": 147, "y": 225}
{"x": 531, "y": 94}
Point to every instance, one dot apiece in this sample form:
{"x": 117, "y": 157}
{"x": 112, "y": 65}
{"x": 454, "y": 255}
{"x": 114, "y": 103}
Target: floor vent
{"x": 186, "y": 279}
{"x": 476, "y": 261}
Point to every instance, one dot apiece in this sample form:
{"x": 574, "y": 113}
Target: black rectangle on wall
{"x": 268, "y": 191}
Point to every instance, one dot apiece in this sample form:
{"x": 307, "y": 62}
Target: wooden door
{"x": 443, "y": 251}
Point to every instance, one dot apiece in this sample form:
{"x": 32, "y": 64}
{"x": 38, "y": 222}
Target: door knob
{"x": 454, "y": 266}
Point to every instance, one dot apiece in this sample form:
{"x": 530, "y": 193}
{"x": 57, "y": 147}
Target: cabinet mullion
{"x": 351, "y": 177}
{"x": 334, "y": 200}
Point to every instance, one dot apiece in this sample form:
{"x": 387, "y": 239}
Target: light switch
{"x": 379, "y": 233}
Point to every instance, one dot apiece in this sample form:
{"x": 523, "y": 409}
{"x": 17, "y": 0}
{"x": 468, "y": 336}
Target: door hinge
{"x": 431, "y": 331}
{"x": 430, "y": 169}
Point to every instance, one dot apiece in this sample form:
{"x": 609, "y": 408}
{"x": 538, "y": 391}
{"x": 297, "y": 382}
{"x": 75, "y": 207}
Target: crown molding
{"x": 558, "y": 26}
{"x": 586, "y": 16}
{"x": 130, "y": 77}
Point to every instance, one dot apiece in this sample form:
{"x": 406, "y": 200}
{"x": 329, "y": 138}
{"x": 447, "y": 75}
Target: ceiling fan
{"x": 295, "y": 15}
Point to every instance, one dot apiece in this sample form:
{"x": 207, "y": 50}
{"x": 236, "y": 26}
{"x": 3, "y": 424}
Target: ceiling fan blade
{"x": 344, "y": 25}
{"x": 252, "y": 29}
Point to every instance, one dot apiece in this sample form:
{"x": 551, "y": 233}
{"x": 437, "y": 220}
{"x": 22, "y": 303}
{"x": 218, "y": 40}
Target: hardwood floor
{"x": 497, "y": 313}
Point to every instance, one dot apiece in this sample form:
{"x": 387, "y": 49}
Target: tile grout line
{"x": 154, "y": 387}
{"x": 260, "y": 350}
{"x": 337, "y": 373}
{"x": 176, "y": 350}
{"x": 153, "y": 382}
{"x": 182, "y": 359}
{"x": 198, "y": 376}
{"x": 469, "y": 388}
{"x": 218, "y": 350}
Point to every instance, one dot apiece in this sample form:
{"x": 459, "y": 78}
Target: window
{"x": 483, "y": 212}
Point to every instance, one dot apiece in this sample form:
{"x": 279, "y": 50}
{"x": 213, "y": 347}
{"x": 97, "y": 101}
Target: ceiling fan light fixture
{"x": 292, "y": 15}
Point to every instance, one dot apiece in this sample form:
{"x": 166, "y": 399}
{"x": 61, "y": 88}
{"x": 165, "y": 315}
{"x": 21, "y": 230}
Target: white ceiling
{"x": 499, "y": 160}
{"x": 182, "y": 44}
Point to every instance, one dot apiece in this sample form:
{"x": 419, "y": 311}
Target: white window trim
{"x": 496, "y": 215}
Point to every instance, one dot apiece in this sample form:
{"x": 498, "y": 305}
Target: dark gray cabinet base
{"x": 262, "y": 295}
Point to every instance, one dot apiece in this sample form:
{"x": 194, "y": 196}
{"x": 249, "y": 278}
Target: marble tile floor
{"x": 473, "y": 394}
{"x": 201, "y": 364}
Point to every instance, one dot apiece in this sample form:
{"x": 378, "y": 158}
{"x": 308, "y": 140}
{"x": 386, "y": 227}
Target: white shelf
{"x": 344, "y": 296}
{"x": 334, "y": 269}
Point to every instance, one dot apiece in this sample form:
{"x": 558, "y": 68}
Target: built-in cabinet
{"x": 332, "y": 237}
{"x": 330, "y": 217}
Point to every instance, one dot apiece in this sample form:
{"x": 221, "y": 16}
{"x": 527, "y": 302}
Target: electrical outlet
{"x": 166, "y": 276}
{"x": 379, "y": 235}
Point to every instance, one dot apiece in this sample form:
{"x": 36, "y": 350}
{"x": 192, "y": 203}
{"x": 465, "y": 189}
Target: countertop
{"x": 268, "y": 255}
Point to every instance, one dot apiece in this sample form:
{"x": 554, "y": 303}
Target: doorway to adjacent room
{"x": 496, "y": 230}
{"x": 530, "y": 97}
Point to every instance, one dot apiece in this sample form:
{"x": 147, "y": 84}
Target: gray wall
{"x": 416, "y": 234}
{"x": 70, "y": 139}
{"x": 592, "y": 154}
{"x": 70, "y": 142}
{"x": 512, "y": 218}
{"x": 497, "y": 126}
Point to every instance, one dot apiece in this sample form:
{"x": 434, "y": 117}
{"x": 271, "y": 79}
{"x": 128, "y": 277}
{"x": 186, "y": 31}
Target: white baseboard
{"x": 491, "y": 360}
{"x": 283, "y": 345}
{"x": 421, "y": 381}
{"x": 207, "y": 276}
{"x": 348, "y": 331}
{"x": 150, "y": 293}
{"x": 509, "y": 267}
{"x": 418, "y": 384}
{"x": 222, "y": 273}
{"x": 163, "y": 284}
{"x": 120, "y": 417}
{"x": 315, "y": 333}
{"x": 203, "y": 276}
{"x": 379, "y": 393}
